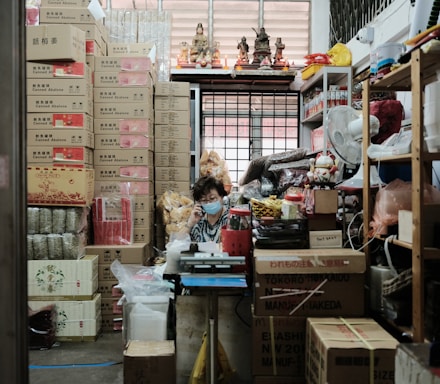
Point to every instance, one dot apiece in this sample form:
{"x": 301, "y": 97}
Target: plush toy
{"x": 323, "y": 170}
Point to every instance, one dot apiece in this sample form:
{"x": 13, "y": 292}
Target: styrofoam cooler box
{"x": 76, "y": 320}
{"x": 145, "y": 318}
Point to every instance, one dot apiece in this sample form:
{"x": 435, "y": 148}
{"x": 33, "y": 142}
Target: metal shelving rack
{"x": 325, "y": 77}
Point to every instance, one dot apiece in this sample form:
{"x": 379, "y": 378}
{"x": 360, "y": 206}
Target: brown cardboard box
{"x": 325, "y": 239}
{"x": 123, "y": 63}
{"x": 167, "y": 88}
{"x": 54, "y": 87}
{"x": 137, "y": 156}
{"x": 172, "y": 117}
{"x": 109, "y": 306}
{"x": 181, "y": 131}
{"x": 172, "y": 145}
{"x": 61, "y": 137}
{"x": 143, "y": 234}
{"x": 164, "y": 159}
{"x": 431, "y": 223}
{"x": 130, "y": 126}
{"x": 143, "y": 203}
{"x": 71, "y": 15}
{"x": 139, "y": 79}
{"x": 172, "y": 103}
{"x": 126, "y": 141}
{"x": 58, "y": 155}
{"x": 123, "y": 95}
{"x": 122, "y": 111}
{"x": 337, "y": 275}
{"x": 125, "y": 254}
{"x": 326, "y": 200}
{"x": 65, "y": 3}
{"x": 354, "y": 348}
{"x": 59, "y": 120}
{"x": 55, "y": 42}
{"x": 129, "y": 49}
{"x": 63, "y": 279}
{"x": 58, "y": 70}
{"x": 278, "y": 346}
{"x": 155, "y": 360}
{"x": 322, "y": 222}
{"x": 110, "y": 289}
{"x": 143, "y": 219}
{"x": 61, "y": 104}
{"x": 124, "y": 187}
{"x": 60, "y": 186}
{"x": 124, "y": 172}
{"x": 177, "y": 186}
{"x": 111, "y": 323}
{"x": 172, "y": 173}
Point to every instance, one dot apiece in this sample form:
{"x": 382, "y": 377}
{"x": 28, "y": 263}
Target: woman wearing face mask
{"x": 209, "y": 214}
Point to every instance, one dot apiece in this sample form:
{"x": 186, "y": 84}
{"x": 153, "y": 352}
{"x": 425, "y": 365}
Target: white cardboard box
{"x": 76, "y": 319}
{"x": 63, "y": 279}
{"x": 325, "y": 239}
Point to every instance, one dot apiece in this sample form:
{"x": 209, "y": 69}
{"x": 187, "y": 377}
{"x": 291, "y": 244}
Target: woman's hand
{"x": 196, "y": 214}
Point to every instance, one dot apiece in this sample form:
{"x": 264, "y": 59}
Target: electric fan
{"x": 344, "y": 127}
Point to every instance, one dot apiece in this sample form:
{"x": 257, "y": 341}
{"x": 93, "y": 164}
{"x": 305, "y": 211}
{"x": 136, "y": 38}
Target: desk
{"x": 211, "y": 285}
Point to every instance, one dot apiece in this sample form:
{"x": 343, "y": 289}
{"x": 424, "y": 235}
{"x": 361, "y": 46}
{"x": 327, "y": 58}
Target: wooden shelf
{"x": 410, "y": 77}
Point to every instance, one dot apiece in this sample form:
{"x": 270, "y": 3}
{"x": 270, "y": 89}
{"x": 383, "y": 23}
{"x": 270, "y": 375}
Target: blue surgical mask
{"x": 212, "y": 208}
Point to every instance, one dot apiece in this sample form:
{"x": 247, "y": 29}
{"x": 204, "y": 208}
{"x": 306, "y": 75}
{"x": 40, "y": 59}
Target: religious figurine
{"x": 243, "y": 48}
{"x": 278, "y": 57}
{"x": 262, "y": 40}
{"x": 262, "y": 46}
{"x": 199, "y": 45}
{"x": 184, "y": 51}
{"x": 216, "y": 54}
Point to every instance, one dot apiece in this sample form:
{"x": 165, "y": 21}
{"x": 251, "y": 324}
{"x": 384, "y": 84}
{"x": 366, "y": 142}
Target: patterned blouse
{"x": 204, "y": 232}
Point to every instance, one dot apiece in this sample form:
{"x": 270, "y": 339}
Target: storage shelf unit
{"x": 326, "y": 76}
{"x": 410, "y": 77}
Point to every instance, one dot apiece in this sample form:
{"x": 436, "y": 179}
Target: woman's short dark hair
{"x": 205, "y": 184}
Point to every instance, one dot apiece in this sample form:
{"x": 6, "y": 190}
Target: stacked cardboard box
{"x": 290, "y": 286}
{"x": 355, "y": 348}
{"x": 71, "y": 287}
{"x": 124, "y": 135}
{"x": 172, "y": 137}
{"x": 111, "y": 308}
{"x": 172, "y": 145}
{"x": 77, "y": 13}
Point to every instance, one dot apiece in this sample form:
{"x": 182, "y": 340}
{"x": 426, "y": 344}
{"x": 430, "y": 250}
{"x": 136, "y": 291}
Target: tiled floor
{"x": 79, "y": 362}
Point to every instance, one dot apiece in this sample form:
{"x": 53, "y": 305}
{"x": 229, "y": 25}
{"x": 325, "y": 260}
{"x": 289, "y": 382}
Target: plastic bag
{"x": 175, "y": 209}
{"x": 394, "y": 197}
{"x": 139, "y": 280}
{"x": 212, "y": 164}
{"x": 179, "y": 242}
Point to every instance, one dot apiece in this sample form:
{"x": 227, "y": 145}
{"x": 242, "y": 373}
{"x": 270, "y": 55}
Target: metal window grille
{"x": 347, "y": 17}
{"x": 242, "y": 126}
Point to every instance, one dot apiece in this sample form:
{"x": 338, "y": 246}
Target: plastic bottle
{"x": 290, "y": 207}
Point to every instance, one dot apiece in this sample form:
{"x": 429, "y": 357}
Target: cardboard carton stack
{"x": 172, "y": 143}
{"x": 112, "y": 308}
{"x": 124, "y": 135}
{"x": 172, "y": 136}
{"x": 290, "y": 286}
{"x": 60, "y": 166}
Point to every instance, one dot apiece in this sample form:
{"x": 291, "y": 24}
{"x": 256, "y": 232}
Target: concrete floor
{"x": 106, "y": 349}
{"x": 83, "y": 362}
